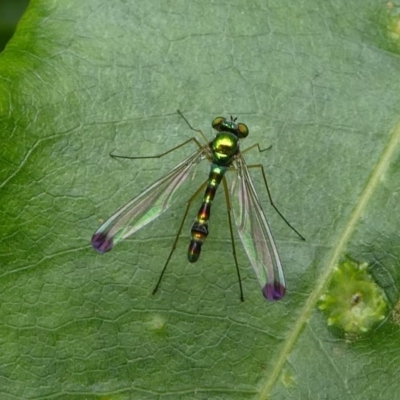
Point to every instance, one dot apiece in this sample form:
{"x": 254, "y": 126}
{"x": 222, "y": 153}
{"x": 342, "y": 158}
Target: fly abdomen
{"x": 199, "y": 230}
{"x": 199, "y": 233}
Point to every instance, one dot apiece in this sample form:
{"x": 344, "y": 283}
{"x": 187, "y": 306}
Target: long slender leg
{"x": 188, "y": 204}
{"x": 162, "y": 154}
{"x": 271, "y": 201}
{"x": 191, "y": 127}
{"x": 260, "y": 150}
{"x": 229, "y": 209}
{"x": 176, "y": 147}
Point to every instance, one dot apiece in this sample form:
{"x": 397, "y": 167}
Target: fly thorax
{"x": 224, "y": 147}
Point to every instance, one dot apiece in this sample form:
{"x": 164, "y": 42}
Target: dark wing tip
{"x": 273, "y": 291}
{"x": 101, "y": 242}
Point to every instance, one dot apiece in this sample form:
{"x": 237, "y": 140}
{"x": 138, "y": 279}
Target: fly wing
{"x": 145, "y": 207}
{"x": 255, "y": 234}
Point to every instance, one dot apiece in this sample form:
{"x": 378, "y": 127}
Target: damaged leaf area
{"x": 353, "y": 302}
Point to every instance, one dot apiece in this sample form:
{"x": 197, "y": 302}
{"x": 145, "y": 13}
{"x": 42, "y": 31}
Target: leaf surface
{"x": 317, "y": 81}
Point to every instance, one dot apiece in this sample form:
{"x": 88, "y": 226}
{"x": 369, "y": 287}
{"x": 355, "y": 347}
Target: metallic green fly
{"x": 223, "y": 153}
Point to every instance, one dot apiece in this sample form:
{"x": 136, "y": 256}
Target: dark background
{"x": 10, "y": 13}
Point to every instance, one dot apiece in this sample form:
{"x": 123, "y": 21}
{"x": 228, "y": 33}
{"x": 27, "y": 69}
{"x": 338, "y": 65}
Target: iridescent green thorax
{"x": 224, "y": 147}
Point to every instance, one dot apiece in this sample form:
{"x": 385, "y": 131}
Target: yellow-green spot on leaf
{"x": 353, "y": 301}
{"x": 157, "y": 325}
{"x": 288, "y": 379}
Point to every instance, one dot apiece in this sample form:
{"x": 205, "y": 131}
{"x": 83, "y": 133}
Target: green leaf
{"x": 316, "y": 80}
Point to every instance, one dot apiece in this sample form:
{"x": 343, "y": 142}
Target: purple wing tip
{"x": 273, "y": 291}
{"x": 101, "y": 242}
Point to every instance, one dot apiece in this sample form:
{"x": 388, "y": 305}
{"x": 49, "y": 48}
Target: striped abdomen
{"x": 199, "y": 230}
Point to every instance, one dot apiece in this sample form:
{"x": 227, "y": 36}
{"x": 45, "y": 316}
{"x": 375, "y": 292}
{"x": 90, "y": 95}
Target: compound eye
{"x": 216, "y": 124}
{"x": 243, "y": 130}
